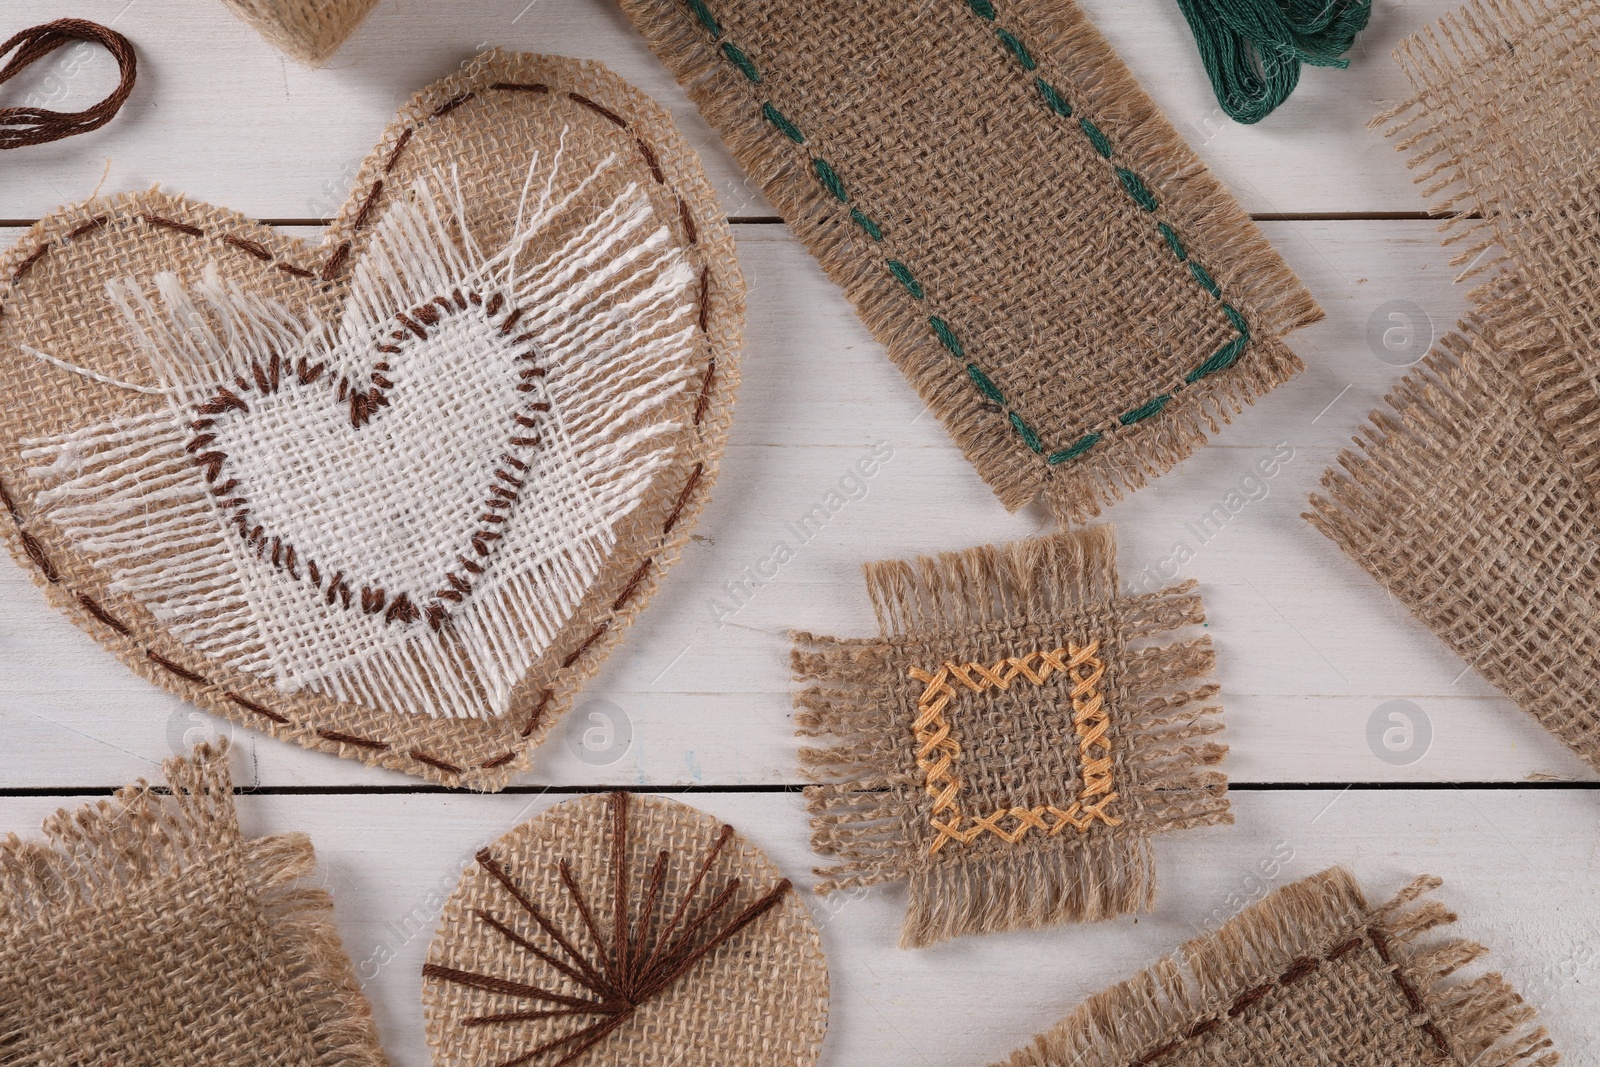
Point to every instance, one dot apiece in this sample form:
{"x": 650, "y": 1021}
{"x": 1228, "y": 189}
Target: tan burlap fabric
{"x": 625, "y": 930}
{"x": 509, "y": 138}
{"x": 1310, "y": 975}
{"x": 309, "y": 30}
{"x": 1471, "y": 496}
{"x": 1502, "y": 129}
{"x": 148, "y": 932}
{"x": 1062, "y": 280}
{"x": 1013, "y": 740}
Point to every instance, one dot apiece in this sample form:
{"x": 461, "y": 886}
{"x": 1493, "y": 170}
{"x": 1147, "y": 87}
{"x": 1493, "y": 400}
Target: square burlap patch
{"x": 1013, "y": 740}
{"x": 1311, "y": 974}
{"x": 148, "y": 932}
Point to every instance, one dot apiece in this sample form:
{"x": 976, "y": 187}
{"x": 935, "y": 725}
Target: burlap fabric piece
{"x": 1502, "y": 127}
{"x": 1310, "y": 975}
{"x": 1063, "y": 281}
{"x": 149, "y": 932}
{"x": 625, "y": 930}
{"x": 397, "y": 494}
{"x": 1013, "y": 740}
{"x": 309, "y": 30}
{"x": 1462, "y": 505}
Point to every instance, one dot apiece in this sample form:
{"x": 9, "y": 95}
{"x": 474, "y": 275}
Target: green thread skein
{"x": 1252, "y": 49}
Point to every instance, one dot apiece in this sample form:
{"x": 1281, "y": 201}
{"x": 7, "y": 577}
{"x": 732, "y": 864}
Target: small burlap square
{"x": 1310, "y": 975}
{"x": 308, "y": 30}
{"x": 1502, "y": 128}
{"x": 1462, "y": 505}
{"x": 1063, "y": 281}
{"x": 1013, "y": 740}
{"x": 148, "y": 932}
{"x": 629, "y": 930}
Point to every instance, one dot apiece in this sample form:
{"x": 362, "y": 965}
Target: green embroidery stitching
{"x": 1130, "y": 181}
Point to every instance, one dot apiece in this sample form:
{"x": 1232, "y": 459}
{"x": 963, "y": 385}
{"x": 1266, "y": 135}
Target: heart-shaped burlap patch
{"x": 395, "y": 495}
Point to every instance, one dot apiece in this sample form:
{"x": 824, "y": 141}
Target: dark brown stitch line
{"x": 450, "y": 105}
{"x": 683, "y": 498}
{"x": 704, "y": 298}
{"x": 650, "y": 161}
{"x": 103, "y": 615}
{"x": 520, "y": 87}
{"x": 182, "y": 672}
{"x": 607, "y": 113}
{"x": 336, "y": 261}
{"x": 498, "y": 761}
{"x": 705, "y": 391}
{"x": 599, "y": 632}
{"x": 690, "y": 233}
{"x": 298, "y": 272}
{"x": 27, "y": 264}
{"x": 538, "y": 711}
{"x": 399, "y": 147}
{"x": 366, "y": 207}
{"x": 423, "y": 757}
{"x": 174, "y": 224}
{"x": 88, "y": 227}
{"x": 352, "y": 739}
{"x": 36, "y": 552}
{"x": 251, "y": 705}
{"x": 632, "y": 586}
{"x": 250, "y": 247}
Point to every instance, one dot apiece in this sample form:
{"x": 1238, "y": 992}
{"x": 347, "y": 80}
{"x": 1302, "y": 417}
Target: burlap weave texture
{"x": 150, "y": 932}
{"x": 1058, "y": 275}
{"x": 1013, "y": 740}
{"x": 625, "y": 929}
{"x": 1310, "y": 975}
{"x": 535, "y": 214}
{"x": 309, "y": 30}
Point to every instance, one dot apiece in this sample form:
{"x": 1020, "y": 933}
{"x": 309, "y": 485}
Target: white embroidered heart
{"x": 401, "y": 509}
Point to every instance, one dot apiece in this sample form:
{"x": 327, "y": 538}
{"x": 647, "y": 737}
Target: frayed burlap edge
{"x": 1223, "y": 234}
{"x": 481, "y": 754}
{"x": 308, "y": 30}
{"x": 108, "y": 853}
{"x": 1483, "y": 232}
{"x": 1483, "y": 1020}
{"x": 870, "y": 788}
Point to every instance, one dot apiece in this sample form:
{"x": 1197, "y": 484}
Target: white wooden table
{"x": 696, "y": 701}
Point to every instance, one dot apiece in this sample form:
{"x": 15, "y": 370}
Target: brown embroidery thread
{"x": 22, "y": 126}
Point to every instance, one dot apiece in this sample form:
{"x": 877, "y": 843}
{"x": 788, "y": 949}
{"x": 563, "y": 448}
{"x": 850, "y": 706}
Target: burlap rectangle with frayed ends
{"x": 148, "y": 932}
{"x": 1013, "y": 740}
{"x": 1462, "y": 505}
{"x": 1502, "y": 128}
{"x": 1311, "y": 974}
{"x": 309, "y": 30}
{"x": 1063, "y": 281}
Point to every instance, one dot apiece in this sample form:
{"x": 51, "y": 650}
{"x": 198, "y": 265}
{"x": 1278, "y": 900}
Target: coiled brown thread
{"x": 23, "y": 126}
{"x": 256, "y": 250}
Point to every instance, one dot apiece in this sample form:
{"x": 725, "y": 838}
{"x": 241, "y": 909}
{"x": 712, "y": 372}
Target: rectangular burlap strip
{"x": 1066, "y": 285}
{"x": 1462, "y": 505}
{"x": 1503, "y": 126}
{"x": 148, "y": 932}
{"x": 1311, "y": 974}
{"x": 1013, "y": 740}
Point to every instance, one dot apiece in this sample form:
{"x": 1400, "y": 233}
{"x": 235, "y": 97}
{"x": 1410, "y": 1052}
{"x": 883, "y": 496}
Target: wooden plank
{"x": 1310, "y": 649}
{"x": 221, "y": 116}
{"x": 1516, "y": 868}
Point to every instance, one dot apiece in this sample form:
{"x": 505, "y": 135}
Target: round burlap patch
{"x": 715, "y": 959}
{"x": 396, "y": 493}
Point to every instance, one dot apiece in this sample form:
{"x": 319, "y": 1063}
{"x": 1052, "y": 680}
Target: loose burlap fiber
{"x": 1470, "y": 496}
{"x": 1063, "y": 281}
{"x": 531, "y": 933}
{"x": 1060, "y": 698}
{"x": 546, "y": 178}
{"x": 148, "y": 932}
{"x": 1310, "y": 975}
{"x": 1503, "y": 128}
{"x": 308, "y": 30}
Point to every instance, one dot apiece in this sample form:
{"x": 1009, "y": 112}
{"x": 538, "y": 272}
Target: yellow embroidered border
{"x": 937, "y": 748}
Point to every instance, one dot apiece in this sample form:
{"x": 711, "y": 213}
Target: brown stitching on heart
{"x": 251, "y": 705}
{"x": 423, "y": 757}
{"x": 498, "y": 761}
{"x": 110, "y": 620}
{"x": 174, "y": 224}
{"x": 352, "y": 739}
{"x": 650, "y": 161}
{"x": 604, "y": 112}
{"x": 26, "y": 265}
{"x": 363, "y": 405}
{"x": 182, "y": 672}
{"x": 450, "y": 105}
